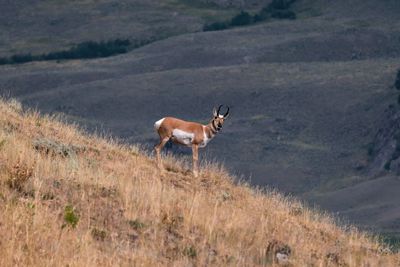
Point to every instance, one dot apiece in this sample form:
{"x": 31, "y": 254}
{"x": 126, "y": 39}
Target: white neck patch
{"x": 206, "y": 139}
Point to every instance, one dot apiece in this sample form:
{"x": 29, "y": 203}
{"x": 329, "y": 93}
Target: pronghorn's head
{"x": 218, "y": 119}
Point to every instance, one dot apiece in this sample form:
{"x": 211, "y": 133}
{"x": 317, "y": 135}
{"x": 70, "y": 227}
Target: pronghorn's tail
{"x": 157, "y": 124}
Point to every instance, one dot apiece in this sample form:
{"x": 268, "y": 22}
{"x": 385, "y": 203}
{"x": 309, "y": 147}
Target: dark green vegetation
{"x": 278, "y": 9}
{"x": 190, "y": 252}
{"x": 70, "y": 217}
{"x": 396, "y": 153}
{"x": 83, "y": 50}
{"x": 397, "y": 81}
{"x": 136, "y": 224}
{"x": 392, "y": 240}
{"x": 308, "y": 96}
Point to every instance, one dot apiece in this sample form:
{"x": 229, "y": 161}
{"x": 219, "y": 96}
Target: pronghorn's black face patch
{"x": 219, "y": 119}
{"x": 218, "y": 122}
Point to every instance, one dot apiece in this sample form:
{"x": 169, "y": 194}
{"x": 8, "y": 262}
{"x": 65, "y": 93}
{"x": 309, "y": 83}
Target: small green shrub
{"x": 283, "y": 14}
{"x": 99, "y": 234}
{"x": 136, "y": 224}
{"x": 280, "y": 4}
{"x": 48, "y": 196}
{"x": 262, "y": 16}
{"x": 2, "y": 143}
{"x": 278, "y": 9}
{"x": 190, "y": 252}
{"x": 31, "y": 205}
{"x": 241, "y": 19}
{"x": 216, "y": 26}
{"x": 387, "y": 165}
{"x": 70, "y": 217}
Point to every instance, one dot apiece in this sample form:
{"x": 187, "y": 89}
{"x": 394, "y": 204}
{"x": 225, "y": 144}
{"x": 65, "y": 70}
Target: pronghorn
{"x": 188, "y": 134}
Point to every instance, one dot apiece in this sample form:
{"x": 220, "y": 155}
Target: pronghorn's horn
{"x": 227, "y": 112}
{"x": 219, "y": 109}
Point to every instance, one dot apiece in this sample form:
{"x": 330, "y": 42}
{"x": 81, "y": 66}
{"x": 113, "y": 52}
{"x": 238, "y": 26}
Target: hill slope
{"x": 45, "y": 26}
{"x": 307, "y": 95}
{"x": 68, "y": 198}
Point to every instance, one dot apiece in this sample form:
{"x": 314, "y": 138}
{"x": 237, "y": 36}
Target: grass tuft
{"x": 136, "y": 224}
{"x": 190, "y": 252}
{"x": 99, "y": 234}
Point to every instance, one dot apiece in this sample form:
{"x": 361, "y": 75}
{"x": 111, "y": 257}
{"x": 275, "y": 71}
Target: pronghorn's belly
{"x": 182, "y": 137}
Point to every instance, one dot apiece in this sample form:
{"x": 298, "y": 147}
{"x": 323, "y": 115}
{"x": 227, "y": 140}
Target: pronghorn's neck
{"x": 212, "y": 128}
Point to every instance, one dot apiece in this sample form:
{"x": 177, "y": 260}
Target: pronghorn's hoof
{"x": 195, "y": 173}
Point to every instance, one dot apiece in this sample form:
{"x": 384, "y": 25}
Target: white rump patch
{"x": 182, "y": 137}
{"x": 157, "y": 124}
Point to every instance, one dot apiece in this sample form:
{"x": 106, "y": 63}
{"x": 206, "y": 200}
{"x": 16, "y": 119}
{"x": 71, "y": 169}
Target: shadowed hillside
{"x": 45, "y": 26}
{"x": 69, "y": 198}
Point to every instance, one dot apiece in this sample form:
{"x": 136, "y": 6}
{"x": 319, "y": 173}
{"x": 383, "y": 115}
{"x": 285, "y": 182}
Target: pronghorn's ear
{"x": 215, "y": 113}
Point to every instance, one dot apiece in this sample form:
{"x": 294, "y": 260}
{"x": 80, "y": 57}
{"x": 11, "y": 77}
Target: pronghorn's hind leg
{"x": 195, "y": 152}
{"x": 158, "y": 149}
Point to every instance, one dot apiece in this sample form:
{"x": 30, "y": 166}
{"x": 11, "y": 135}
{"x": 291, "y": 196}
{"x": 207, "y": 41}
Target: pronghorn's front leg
{"x": 195, "y": 152}
{"x": 158, "y": 149}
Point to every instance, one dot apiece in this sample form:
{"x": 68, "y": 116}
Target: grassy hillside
{"x": 69, "y": 198}
{"x": 307, "y": 95}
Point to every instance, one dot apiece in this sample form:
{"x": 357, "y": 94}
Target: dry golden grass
{"x": 72, "y": 199}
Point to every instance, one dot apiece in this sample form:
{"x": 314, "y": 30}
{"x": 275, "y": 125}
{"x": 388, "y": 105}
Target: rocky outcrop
{"x": 384, "y": 151}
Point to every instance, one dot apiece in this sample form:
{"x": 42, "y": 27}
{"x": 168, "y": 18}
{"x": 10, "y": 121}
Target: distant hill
{"x": 45, "y": 26}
